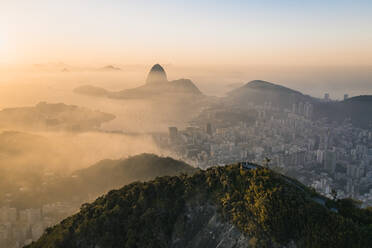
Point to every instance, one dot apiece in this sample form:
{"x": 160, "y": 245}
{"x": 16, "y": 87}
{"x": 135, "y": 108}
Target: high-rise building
{"x": 330, "y": 161}
{"x": 173, "y": 133}
{"x": 346, "y": 96}
{"x": 308, "y": 110}
{"x": 209, "y": 128}
{"x": 294, "y": 108}
{"x": 326, "y": 97}
{"x": 300, "y": 108}
{"x": 319, "y": 156}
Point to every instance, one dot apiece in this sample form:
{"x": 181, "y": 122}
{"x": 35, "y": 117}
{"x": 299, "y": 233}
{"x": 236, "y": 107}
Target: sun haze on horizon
{"x": 195, "y": 32}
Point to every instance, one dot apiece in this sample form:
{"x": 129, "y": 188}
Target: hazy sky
{"x": 186, "y": 32}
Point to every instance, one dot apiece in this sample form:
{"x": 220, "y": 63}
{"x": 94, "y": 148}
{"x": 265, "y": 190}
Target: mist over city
{"x": 199, "y": 124}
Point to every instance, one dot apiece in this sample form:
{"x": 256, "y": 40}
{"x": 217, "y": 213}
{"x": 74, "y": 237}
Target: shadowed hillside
{"x": 259, "y": 92}
{"x": 101, "y": 177}
{"x": 356, "y": 109}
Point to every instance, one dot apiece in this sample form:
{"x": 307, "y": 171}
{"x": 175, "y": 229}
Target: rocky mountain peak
{"x": 156, "y": 75}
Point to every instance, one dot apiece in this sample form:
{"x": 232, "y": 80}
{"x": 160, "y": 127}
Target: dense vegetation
{"x": 271, "y": 209}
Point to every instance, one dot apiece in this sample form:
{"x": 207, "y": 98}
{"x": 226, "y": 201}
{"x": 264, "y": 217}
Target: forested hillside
{"x": 268, "y": 209}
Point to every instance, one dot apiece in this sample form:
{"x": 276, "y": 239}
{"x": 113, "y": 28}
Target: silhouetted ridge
{"x": 357, "y": 109}
{"x": 260, "y": 92}
{"x": 263, "y": 85}
{"x": 185, "y": 85}
{"x": 362, "y": 98}
{"x": 157, "y": 86}
{"x": 110, "y": 174}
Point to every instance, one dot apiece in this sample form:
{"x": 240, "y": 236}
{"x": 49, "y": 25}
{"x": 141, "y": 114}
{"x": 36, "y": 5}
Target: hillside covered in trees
{"x": 227, "y": 206}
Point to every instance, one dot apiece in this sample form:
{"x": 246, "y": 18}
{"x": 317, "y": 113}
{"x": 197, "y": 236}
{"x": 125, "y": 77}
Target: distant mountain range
{"x": 63, "y": 67}
{"x": 157, "y": 85}
{"x": 232, "y": 206}
{"x": 110, "y": 68}
{"x": 356, "y": 109}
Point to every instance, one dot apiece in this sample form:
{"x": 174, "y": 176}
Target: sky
{"x": 201, "y": 32}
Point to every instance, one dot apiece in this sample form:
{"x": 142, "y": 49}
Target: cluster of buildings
{"x": 19, "y": 227}
{"x": 326, "y": 156}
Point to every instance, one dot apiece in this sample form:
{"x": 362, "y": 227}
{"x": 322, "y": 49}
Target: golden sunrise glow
{"x": 4, "y": 47}
{"x": 93, "y": 32}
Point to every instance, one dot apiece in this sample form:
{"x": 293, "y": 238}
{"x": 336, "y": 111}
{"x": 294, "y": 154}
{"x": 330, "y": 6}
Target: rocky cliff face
{"x": 201, "y": 226}
{"x": 156, "y": 75}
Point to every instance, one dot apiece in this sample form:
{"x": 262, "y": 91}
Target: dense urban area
{"x": 333, "y": 158}
{"x": 330, "y": 157}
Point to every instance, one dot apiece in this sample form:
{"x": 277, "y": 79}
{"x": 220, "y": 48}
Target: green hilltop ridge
{"x": 228, "y": 206}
